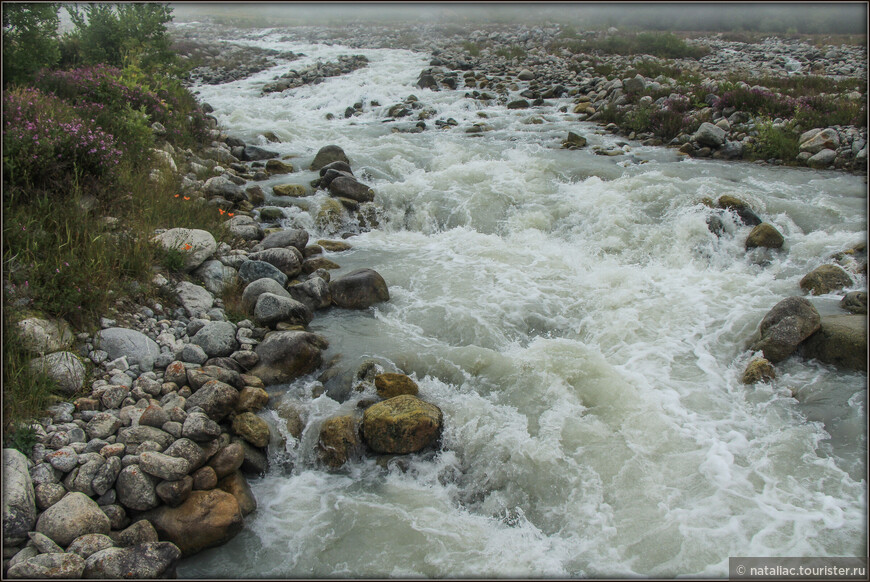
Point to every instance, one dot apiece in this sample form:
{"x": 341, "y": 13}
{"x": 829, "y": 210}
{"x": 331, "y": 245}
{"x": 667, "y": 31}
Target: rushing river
{"x": 584, "y": 334}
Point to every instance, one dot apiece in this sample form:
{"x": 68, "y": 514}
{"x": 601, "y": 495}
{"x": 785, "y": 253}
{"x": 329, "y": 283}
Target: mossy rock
{"x": 758, "y": 370}
{"x": 825, "y": 279}
{"x": 292, "y": 190}
{"x": 765, "y": 235}
{"x": 334, "y": 246}
{"x": 252, "y": 428}
{"x": 278, "y": 167}
{"x": 400, "y": 425}
{"x": 330, "y": 215}
{"x": 390, "y": 385}
{"x": 338, "y": 441}
{"x": 840, "y": 341}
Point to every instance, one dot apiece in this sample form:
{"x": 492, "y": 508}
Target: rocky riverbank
{"x": 691, "y": 105}
{"x": 151, "y": 465}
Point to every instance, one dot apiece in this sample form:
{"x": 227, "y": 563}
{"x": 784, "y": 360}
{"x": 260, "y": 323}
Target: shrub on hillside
{"x": 46, "y": 142}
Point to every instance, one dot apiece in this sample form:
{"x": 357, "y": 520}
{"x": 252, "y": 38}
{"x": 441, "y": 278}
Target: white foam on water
{"x": 584, "y": 334}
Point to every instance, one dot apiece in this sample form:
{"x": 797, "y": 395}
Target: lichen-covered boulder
{"x": 43, "y": 336}
{"x": 327, "y": 155}
{"x": 205, "y": 520}
{"x": 143, "y": 561}
{"x": 790, "y": 322}
{"x": 758, "y": 370}
{"x": 49, "y": 566}
{"x": 389, "y": 385}
{"x": 19, "y": 500}
{"x": 62, "y": 367}
{"x": 403, "y": 424}
{"x": 252, "y": 428}
{"x": 825, "y": 279}
{"x": 291, "y": 237}
{"x": 195, "y": 245}
{"x": 359, "y": 289}
{"x": 74, "y": 515}
{"x": 216, "y": 398}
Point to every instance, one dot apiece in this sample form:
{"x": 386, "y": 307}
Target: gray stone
{"x": 825, "y": 279}
{"x": 223, "y": 187}
{"x": 255, "y": 153}
{"x": 821, "y": 160}
{"x": 841, "y": 341}
{"x": 217, "y": 339}
{"x": 286, "y": 355}
{"x": 102, "y": 425}
{"x": 272, "y": 309}
{"x": 195, "y": 245}
{"x": 635, "y": 84}
{"x": 19, "y": 500}
{"x": 49, "y": 566}
{"x": 89, "y": 544}
{"x": 141, "y": 532}
{"x": 855, "y": 302}
{"x": 710, "y": 135}
{"x": 347, "y": 187}
{"x": 62, "y": 367}
{"x": 44, "y": 544}
{"x": 47, "y": 494}
{"x": 164, "y": 466}
{"x": 136, "y": 489}
{"x": 136, "y": 435}
{"x": 136, "y": 346}
{"x": 215, "y": 398}
{"x": 149, "y": 560}
{"x": 250, "y": 271}
{"x": 258, "y": 287}
{"x": 243, "y": 227}
{"x": 327, "y": 155}
{"x": 786, "y": 325}
{"x": 114, "y": 396}
{"x": 292, "y": 237}
{"x": 194, "y": 354}
{"x": 314, "y": 293}
{"x": 74, "y": 515}
{"x": 106, "y": 475}
{"x": 64, "y": 459}
{"x": 174, "y": 493}
{"x": 43, "y": 336}
{"x": 196, "y": 300}
{"x": 827, "y": 139}
{"x": 359, "y": 289}
{"x": 200, "y": 428}
{"x": 216, "y": 277}
{"x": 288, "y": 260}
{"x": 188, "y": 450}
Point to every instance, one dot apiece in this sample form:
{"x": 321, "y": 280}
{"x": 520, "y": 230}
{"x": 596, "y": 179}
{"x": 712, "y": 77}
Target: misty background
{"x": 814, "y": 18}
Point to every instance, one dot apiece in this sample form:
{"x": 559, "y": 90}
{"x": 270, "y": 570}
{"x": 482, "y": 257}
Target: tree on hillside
{"x": 29, "y": 40}
{"x": 119, "y": 35}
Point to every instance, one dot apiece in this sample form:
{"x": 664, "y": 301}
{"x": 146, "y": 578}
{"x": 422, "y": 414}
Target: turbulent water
{"x": 584, "y": 334}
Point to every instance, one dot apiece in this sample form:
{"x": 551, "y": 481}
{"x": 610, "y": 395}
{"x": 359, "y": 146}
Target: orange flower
{"x": 176, "y": 195}
{"x": 187, "y": 197}
{"x": 222, "y": 211}
{"x": 230, "y": 214}
{"x": 187, "y": 247}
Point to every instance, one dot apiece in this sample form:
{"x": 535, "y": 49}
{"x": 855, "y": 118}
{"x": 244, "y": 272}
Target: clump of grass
{"x": 663, "y": 45}
{"x": 471, "y": 48}
{"x": 511, "y": 52}
{"x": 774, "y": 141}
{"x": 232, "y": 299}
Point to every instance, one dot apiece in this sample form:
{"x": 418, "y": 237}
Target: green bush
{"x": 29, "y": 40}
{"x": 779, "y": 142}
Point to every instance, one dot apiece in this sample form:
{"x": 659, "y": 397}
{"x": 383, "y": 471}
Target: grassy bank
{"x": 81, "y": 200}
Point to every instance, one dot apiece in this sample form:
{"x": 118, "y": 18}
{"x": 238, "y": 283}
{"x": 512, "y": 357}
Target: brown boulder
{"x": 404, "y": 424}
{"x": 840, "y": 341}
{"x": 764, "y": 235}
{"x": 287, "y": 355}
{"x": 359, "y": 289}
{"x": 236, "y": 485}
{"x": 825, "y": 279}
{"x": 390, "y": 385}
{"x": 205, "y": 520}
{"x": 790, "y": 322}
{"x": 338, "y": 441}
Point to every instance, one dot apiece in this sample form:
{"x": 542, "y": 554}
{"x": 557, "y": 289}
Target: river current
{"x": 583, "y": 332}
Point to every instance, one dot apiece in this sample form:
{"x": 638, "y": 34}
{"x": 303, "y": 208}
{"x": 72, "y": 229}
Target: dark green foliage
{"x": 119, "y": 35}
{"x": 29, "y": 40}
{"x": 777, "y": 142}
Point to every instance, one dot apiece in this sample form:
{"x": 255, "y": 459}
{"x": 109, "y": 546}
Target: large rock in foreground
{"x": 142, "y": 561}
{"x": 62, "y": 367}
{"x": 359, "y": 289}
{"x": 287, "y": 355}
{"x": 207, "y": 519}
{"x": 404, "y": 424}
{"x": 338, "y": 441}
{"x": 840, "y": 341}
{"x": 790, "y": 322}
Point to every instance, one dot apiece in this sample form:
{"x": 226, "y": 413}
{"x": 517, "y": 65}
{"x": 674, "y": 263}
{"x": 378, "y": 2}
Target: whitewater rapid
{"x": 583, "y": 332}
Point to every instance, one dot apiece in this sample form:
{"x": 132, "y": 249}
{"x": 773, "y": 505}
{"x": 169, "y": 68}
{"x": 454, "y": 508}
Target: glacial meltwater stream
{"x": 583, "y": 332}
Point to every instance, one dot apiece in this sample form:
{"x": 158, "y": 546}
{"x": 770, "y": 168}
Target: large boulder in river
{"x": 338, "y": 441}
{"x": 255, "y": 153}
{"x": 403, "y": 424}
{"x": 359, "y": 289}
{"x": 327, "y": 155}
{"x": 272, "y": 309}
{"x": 348, "y": 187}
{"x": 205, "y": 520}
{"x": 840, "y": 341}
{"x": 136, "y": 346}
{"x": 790, "y": 322}
{"x": 825, "y": 279}
{"x": 19, "y": 501}
{"x": 287, "y": 355}
{"x": 288, "y": 260}
{"x": 764, "y": 235}
{"x": 195, "y": 245}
